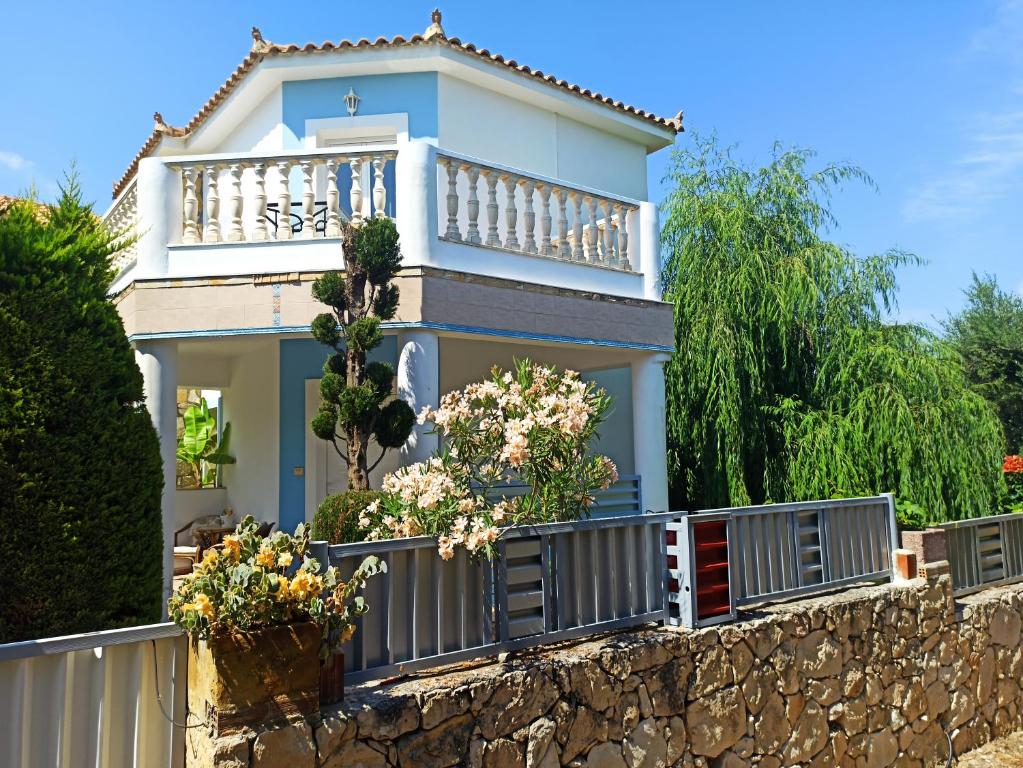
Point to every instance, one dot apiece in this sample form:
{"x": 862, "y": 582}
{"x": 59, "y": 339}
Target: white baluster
{"x": 529, "y": 217}
{"x": 564, "y": 251}
{"x": 234, "y": 203}
{"x": 379, "y": 190}
{"x": 283, "y": 201}
{"x": 609, "y": 236}
{"x": 452, "y": 233}
{"x": 190, "y": 206}
{"x": 355, "y": 195}
{"x": 545, "y": 220}
{"x": 577, "y": 227}
{"x": 212, "y": 233}
{"x": 308, "y": 201}
{"x": 333, "y": 228}
{"x": 623, "y": 237}
{"x": 259, "y": 228}
{"x": 510, "y": 214}
{"x": 473, "y": 205}
{"x": 592, "y": 256}
{"x": 492, "y": 237}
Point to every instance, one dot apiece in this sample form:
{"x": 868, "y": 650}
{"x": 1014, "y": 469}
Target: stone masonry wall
{"x": 871, "y": 677}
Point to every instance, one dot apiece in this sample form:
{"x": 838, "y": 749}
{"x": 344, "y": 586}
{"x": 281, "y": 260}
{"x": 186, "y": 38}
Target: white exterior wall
{"x": 262, "y": 130}
{"x": 505, "y": 131}
{"x": 252, "y": 405}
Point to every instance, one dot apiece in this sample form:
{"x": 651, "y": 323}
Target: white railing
{"x": 298, "y": 196}
{"x": 123, "y": 216}
{"x": 92, "y": 699}
{"x": 530, "y": 214}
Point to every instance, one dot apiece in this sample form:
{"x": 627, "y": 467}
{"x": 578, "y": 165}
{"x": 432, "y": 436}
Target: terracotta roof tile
{"x": 262, "y": 49}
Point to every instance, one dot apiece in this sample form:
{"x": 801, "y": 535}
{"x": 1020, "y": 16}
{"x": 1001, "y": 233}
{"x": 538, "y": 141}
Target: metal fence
{"x": 551, "y": 582}
{"x": 622, "y": 498}
{"x": 90, "y": 699}
{"x": 985, "y": 551}
{"x": 722, "y": 559}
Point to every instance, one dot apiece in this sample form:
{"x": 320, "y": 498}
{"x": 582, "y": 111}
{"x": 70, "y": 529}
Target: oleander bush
{"x": 531, "y": 426}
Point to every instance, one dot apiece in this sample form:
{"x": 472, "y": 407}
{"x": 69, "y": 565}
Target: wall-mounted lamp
{"x": 352, "y": 102}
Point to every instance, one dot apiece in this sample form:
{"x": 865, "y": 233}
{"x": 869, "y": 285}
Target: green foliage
{"x": 911, "y": 516}
{"x": 199, "y": 445}
{"x": 80, "y": 469}
{"x": 357, "y": 404}
{"x": 788, "y": 383}
{"x": 988, "y": 335}
{"x": 364, "y": 334}
{"x": 337, "y": 519}
{"x": 257, "y": 582}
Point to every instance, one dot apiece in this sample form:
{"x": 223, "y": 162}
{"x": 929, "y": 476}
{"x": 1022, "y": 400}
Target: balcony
{"x": 222, "y": 215}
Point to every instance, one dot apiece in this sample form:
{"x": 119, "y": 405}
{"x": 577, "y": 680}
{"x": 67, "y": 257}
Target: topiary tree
{"x": 357, "y": 403}
{"x": 80, "y": 471}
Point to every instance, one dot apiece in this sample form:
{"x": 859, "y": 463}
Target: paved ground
{"x": 1004, "y": 753}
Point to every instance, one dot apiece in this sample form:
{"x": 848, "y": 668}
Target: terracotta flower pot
{"x": 332, "y": 679}
{"x": 250, "y": 678}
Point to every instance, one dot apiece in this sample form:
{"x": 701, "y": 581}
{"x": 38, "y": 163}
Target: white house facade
{"x": 521, "y": 202}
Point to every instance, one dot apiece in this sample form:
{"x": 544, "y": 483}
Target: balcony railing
{"x": 452, "y": 211}
{"x": 534, "y": 215}
{"x": 240, "y": 200}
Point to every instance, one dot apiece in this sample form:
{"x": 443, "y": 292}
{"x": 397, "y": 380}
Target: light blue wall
{"x": 615, "y": 438}
{"x": 302, "y": 359}
{"x": 414, "y": 93}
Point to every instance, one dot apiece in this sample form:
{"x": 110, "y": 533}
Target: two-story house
{"x": 521, "y": 201}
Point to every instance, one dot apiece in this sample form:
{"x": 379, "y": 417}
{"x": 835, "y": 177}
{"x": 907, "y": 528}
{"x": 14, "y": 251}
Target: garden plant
{"x": 790, "y": 380}
{"x": 255, "y": 583}
{"x": 357, "y": 403}
{"x": 531, "y": 426}
{"x": 80, "y": 470}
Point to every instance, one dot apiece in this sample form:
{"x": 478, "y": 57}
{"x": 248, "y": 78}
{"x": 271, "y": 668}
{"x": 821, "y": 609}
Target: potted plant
{"x": 261, "y": 616}
{"x": 200, "y": 447}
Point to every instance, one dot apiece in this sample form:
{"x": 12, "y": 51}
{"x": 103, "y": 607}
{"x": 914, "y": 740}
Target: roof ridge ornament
{"x": 259, "y": 45}
{"x": 435, "y": 29}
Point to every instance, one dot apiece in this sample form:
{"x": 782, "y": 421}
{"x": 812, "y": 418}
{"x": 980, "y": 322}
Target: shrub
{"x": 357, "y": 404}
{"x": 337, "y": 519}
{"x": 1012, "y": 469}
{"x": 80, "y": 470}
{"x": 532, "y": 426}
{"x": 256, "y": 582}
{"x": 911, "y": 516}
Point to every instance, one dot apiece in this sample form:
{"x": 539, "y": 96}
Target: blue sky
{"x": 926, "y": 96}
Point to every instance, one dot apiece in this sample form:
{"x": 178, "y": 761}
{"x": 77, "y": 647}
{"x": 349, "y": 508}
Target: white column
{"x": 419, "y": 385}
{"x": 158, "y": 362}
{"x": 648, "y": 430}
{"x": 160, "y": 201}
{"x": 649, "y": 251}
{"x": 415, "y": 204}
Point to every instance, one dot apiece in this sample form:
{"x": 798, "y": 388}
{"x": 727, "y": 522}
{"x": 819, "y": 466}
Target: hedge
{"x": 337, "y": 519}
{"x": 80, "y": 472}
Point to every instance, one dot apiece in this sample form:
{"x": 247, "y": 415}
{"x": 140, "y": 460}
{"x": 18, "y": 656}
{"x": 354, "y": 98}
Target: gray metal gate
{"x": 985, "y": 551}
{"x": 784, "y": 550}
{"x": 552, "y": 582}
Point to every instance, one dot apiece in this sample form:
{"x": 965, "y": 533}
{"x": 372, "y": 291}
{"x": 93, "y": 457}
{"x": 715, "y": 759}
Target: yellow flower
{"x": 306, "y": 585}
{"x": 284, "y": 559}
{"x": 233, "y": 547}
{"x": 210, "y": 557}
{"x": 265, "y": 557}
{"x": 203, "y": 605}
{"x": 283, "y": 591}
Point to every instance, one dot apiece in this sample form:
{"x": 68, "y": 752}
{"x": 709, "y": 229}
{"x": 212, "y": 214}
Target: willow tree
{"x": 787, "y": 382}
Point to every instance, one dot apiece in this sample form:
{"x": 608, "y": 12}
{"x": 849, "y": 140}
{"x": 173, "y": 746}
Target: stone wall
{"x": 870, "y": 677}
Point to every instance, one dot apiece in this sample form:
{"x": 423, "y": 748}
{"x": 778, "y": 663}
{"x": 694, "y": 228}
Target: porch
{"x": 266, "y": 386}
